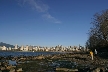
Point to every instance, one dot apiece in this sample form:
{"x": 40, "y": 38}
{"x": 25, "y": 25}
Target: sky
{"x": 47, "y": 22}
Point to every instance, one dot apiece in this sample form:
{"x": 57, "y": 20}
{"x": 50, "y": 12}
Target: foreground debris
{"x": 67, "y": 62}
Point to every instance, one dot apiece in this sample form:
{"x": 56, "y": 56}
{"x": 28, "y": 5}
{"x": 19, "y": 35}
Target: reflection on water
{"x": 12, "y": 62}
{"x": 12, "y": 54}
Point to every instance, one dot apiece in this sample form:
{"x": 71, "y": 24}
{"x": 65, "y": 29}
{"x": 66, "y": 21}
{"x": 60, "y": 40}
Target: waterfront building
{"x": 0, "y": 47}
{"x": 62, "y": 49}
{"x": 16, "y": 47}
{"x": 73, "y": 49}
{"x": 41, "y": 49}
{"x": 9, "y": 48}
{"x": 76, "y": 48}
{"x": 46, "y": 49}
{"x": 4, "y": 48}
{"x": 51, "y": 49}
{"x": 22, "y": 48}
{"x": 38, "y": 46}
{"x": 57, "y": 48}
{"x": 68, "y": 47}
{"x": 26, "y": 48}
{"x": 34, "y": 48}
{"x": 30, "y": 48}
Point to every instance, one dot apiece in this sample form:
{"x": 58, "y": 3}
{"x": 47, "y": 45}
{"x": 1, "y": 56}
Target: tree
{"x": 98, "y": 34}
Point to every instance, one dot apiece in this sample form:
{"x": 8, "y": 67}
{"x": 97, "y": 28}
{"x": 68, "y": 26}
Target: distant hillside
{"x": 7, "y": 45}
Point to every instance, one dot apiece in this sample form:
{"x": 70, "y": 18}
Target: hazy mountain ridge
{"x": 7, "y": 45}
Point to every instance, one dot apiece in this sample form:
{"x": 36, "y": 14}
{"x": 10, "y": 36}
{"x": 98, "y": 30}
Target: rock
{"x": 19, "y": 70}
{"x": 22, "y": 58}
{"x": 9, "y": 67}
{"x": 65, "y": 69}
{"x": 102, "y": 69}
{"x": 3, "y": 68}
{"x": 12, "y": 70}
{"x": 96, "y": 70}
{"x": 40, "y": 57}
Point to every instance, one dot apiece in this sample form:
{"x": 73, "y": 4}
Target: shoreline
{"x": 29, "y": 51}
{"x": 82, "y": 61}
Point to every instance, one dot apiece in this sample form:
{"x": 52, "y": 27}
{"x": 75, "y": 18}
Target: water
{"x": 12, "y": 53}
{"x": 12, "y": 62}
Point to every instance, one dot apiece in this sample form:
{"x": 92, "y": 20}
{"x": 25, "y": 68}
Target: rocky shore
{"x": 63, "y": 62}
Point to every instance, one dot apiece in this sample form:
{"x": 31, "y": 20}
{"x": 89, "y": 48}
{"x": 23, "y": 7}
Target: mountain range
{"x": 7, "y": 45}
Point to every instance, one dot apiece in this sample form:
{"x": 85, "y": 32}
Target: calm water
{"x": 8, "y": 53}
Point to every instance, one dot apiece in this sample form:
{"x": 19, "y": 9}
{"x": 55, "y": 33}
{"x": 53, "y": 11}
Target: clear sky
{"x": 47, "y": 22}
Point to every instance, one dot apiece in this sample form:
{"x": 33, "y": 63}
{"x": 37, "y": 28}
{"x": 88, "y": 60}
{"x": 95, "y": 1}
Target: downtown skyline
{"x": 47, "y": 22}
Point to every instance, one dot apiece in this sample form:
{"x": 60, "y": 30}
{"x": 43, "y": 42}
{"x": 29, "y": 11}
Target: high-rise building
{"x": 16, "y": 46}
{"x": 26, "y": 48}
{"x": 30, "y": 48}
{"x": 10, "y": 48}
{"x": 4, "y": 48}
{"x": 22, "y": 48}
{"x": 0, "y": 48}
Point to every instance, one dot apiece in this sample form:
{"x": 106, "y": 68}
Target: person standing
{"x": 91, "y": 53}
{"x": 95, "y": 52}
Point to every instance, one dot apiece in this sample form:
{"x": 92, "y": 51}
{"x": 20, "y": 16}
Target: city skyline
{"x": 58, "y": 48}
{"x": 47, "y": 22}
{"x": 10, "y": 45}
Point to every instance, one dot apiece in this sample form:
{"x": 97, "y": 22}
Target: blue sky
{"x": 47, "y": 22}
